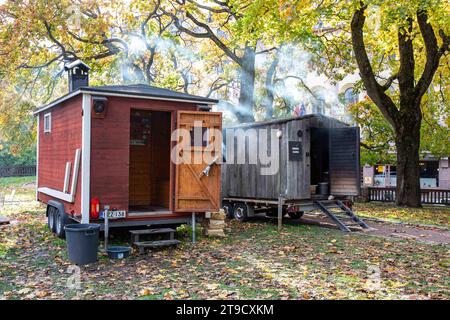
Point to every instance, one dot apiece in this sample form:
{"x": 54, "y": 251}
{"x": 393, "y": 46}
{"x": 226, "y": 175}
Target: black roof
{"x": 133, "y": 90}
{"x": 146, "y": 90}
{"x": 282, "y": 120}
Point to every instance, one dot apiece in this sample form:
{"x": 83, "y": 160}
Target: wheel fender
{"x": 58, "y": 205}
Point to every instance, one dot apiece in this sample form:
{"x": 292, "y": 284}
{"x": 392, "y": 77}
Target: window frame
{"x": 48, "y": 116}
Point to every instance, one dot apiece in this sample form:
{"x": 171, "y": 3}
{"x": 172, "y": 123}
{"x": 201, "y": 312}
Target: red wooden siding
{"x": 58, "y": 147}
{"x": 110, "y": 148}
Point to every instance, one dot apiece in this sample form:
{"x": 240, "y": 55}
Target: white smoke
{"x": 296, "y": 83}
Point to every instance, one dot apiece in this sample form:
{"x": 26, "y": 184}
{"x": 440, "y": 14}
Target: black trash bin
{"x": 82, "y": 242}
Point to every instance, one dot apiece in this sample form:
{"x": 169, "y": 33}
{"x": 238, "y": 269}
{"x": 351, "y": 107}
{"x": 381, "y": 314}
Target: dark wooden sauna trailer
{"x": 318, "y": 169}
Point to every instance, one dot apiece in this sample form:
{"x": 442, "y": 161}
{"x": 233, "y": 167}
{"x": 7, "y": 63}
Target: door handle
{"x": 205, "y": 171}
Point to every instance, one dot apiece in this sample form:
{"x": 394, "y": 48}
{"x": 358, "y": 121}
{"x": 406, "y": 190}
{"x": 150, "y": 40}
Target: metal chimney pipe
{"x": 78, "y": 74}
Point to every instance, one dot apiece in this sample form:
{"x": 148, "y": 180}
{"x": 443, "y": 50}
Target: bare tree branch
{"x": 208, "y": 34}
{"x": 267, "y": 50}
{"x": 433, "y": 53}
{"x": 269, "y": 86}
{"x": 374, "y": 89}
{"x": 223, "y": 9}
{"x": 217, "y": 85}
{"x": 107, "y": 42}
{"x": 41, "y": 66}
{"x": 389, "y": 82}
{"x": 64, "y": 52}
{"x": 407, "y": 63}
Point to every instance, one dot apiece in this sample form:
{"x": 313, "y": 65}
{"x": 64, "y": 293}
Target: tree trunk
{"x": 244, "y": 112}
{"x": 407, "y": 119}
{"x": 408, "y": 170}
{"x": 267, "y": 102}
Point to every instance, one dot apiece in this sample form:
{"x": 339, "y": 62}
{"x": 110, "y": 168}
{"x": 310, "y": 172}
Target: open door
{"x": 197, "y": 183}
{"x": 149, "y": 159}
{"x": 344, "y": 161}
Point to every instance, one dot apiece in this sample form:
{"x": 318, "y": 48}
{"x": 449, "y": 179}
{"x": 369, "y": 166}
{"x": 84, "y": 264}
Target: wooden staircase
{"x": 142, "y": 245}
{"x": 341, "y": 215}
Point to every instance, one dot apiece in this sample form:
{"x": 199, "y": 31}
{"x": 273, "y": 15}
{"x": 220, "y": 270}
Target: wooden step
{"x": 342, "y": 217}
{"x": 152, "y": 231}
{"x": 136, "y": 234}
{"x": 331, "y": 205}
{"x": 156, "y": 244}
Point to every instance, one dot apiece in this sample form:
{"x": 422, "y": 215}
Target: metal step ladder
{"x": 142, "y": 245}
{"x": 344, "y": 217}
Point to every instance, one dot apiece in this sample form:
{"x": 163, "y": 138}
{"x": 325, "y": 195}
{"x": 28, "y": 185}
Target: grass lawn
{"x": 24, "y": 188}
{"x": 15, "y": 182}
{"x": 254, "y": 261}
{"x": 435, "y": 215}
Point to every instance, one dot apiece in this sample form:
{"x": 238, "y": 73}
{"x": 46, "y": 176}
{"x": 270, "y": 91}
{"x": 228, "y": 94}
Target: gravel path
{"x": 425, "y": 234}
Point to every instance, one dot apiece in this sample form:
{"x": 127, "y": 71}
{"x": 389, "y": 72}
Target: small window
{"x": 47, "y": 122}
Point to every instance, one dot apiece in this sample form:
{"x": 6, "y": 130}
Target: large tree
{"x": 397, "y": 46}
{"x": 405, "y": 114}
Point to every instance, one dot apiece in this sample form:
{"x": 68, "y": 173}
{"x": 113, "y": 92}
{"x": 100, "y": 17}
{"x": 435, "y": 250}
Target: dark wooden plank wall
{"x": 346, "y": 164}
{"x": 344, "y": 161}
{"x": 294, "y": 177}
{"x": 298, "y": 175}
{"x": 245, "y": 180}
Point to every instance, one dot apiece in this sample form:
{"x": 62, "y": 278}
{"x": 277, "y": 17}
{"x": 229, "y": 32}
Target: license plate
{"x": 117, "y": 214}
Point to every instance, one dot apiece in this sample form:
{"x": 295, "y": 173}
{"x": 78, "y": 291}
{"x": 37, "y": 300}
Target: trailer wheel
{"x": 228, "y": 208}
{"x": 240, "y": 211}
{"x": 51, "y": 223}
{"x": 61, "y": 220}
{"x": 296, "y": 214}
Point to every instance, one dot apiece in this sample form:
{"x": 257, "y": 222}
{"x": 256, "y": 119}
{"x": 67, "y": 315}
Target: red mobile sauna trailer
{"x": 110, "y": 146}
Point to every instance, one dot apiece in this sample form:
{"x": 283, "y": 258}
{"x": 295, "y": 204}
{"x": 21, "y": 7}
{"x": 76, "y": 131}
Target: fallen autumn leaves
{"x": 432, "y": 215}
{"x": 255, "y": 261}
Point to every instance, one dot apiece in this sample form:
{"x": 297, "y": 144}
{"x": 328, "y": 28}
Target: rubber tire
{"x": 296, "y": 214}
{"x": 51, "y": 221}
{"x": 60, "y": 222}
{"x": 242, "y": 212}
{"x": 228, "y": 208}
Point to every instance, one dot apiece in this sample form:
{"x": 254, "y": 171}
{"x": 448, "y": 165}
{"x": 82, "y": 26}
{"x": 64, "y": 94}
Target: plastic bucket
{"x": 118, "y": 252}
{"x": 82, "y": 242}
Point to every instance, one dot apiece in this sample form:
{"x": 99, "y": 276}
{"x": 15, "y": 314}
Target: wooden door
{"x": 344, "y": 161}
{"x": 197, "y": 189}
